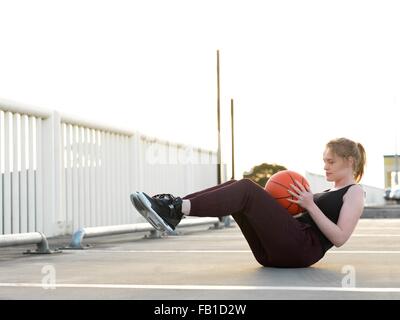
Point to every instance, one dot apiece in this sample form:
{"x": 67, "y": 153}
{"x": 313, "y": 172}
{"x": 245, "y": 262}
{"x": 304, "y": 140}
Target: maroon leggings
{"x": 275, "y": 237}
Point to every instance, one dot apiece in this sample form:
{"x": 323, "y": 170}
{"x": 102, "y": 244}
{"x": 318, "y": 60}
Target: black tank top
{"x": 330, "y": 204}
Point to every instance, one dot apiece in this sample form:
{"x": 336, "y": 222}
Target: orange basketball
{"x": 278, "y": 186}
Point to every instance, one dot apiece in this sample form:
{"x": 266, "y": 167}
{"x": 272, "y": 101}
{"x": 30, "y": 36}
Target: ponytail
{"x": 346, "y": 148}
{"x": 359, "y": 167}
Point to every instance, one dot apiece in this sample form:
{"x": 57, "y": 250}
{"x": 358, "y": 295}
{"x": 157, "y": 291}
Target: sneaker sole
{"x": 143, "y": 206}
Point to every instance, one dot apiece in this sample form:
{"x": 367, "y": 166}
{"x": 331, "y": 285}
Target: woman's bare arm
{"x": 350, "y": 213}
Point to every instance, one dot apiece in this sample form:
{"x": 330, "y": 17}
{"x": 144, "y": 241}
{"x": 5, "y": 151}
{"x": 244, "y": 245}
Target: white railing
{"x": 21, "y": 185}
{"x": 60, "y": 173}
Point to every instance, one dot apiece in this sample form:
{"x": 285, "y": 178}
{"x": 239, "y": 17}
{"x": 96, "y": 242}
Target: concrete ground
{"x": 203, "y": 264}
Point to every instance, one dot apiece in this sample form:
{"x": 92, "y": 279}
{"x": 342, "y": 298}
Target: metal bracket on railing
{"x": 227, "y": 220}
{"x": 76, "y": 242}
{"x": 175, "y": 233}
{"x": 217, "y": 225}
{"x": 154, "y": 234}
{"x": 224, "y": 222}
{"x": 42, "y": 247}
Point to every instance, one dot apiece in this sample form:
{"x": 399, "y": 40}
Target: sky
{"x": 300, "y": 72}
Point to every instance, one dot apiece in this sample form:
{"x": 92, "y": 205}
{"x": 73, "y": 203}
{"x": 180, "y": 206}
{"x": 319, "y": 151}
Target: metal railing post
{"x": 51, "y": 171}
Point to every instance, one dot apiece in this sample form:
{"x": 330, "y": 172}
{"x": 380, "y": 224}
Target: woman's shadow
{"x": 314, "y": 276}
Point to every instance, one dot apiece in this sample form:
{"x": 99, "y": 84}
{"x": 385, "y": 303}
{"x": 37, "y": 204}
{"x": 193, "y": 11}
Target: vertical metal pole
{"x": 219, "y": 123}
{"x": 396, "y": 163}
{"x": 396, "y": 167}
{"x": 233, "y": 142}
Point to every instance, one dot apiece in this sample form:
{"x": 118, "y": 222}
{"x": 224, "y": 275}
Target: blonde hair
{"x": 346, "y": 148}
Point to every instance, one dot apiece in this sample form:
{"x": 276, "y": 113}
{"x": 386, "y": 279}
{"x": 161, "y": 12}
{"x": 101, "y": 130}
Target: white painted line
{"x": 186, "y": 236}
{"x": 168, "y": 251}
{"x": 378, "y": 228}
{"x": 233, "y": 251}
{"x": 198, "y": 287}
{"x": 240, "y": 236}
{"x": 375, "y": 235}
{"x": 365, "y": 251}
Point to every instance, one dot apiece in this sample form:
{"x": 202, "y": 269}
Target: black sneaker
{"x": 164, "y": 212}
{"x": 166, "y": 197}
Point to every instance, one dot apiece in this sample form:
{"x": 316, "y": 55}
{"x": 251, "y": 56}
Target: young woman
{"x": 276, "y": 238}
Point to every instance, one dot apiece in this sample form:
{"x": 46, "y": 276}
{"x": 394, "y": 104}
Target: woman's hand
{"x": 304, "y": 195}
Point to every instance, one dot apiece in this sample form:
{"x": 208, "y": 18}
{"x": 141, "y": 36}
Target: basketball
{"x": 279, "y": 183}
